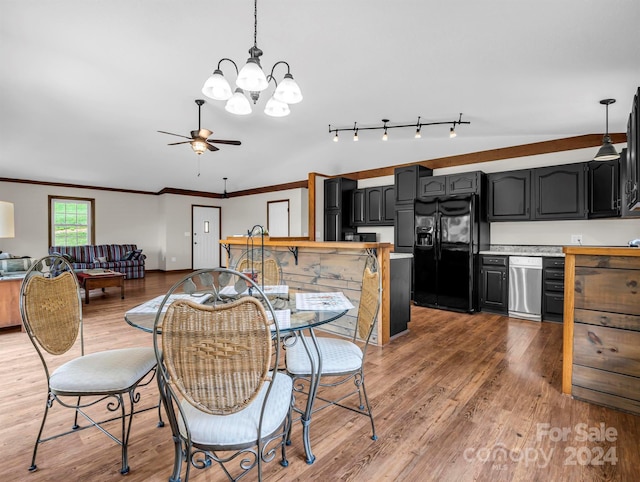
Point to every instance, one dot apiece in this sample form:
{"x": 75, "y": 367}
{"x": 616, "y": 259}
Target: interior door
{"x": 278, "y": 218}
{"x": 206, "y": 236}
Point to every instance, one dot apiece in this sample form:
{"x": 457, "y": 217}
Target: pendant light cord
{"x": 255, "y": 23}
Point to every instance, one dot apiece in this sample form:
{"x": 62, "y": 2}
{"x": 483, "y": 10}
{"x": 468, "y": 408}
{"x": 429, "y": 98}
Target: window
{"x": 71, "y": 221}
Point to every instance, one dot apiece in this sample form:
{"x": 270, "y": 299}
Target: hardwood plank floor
{"x": 460, "y": 397}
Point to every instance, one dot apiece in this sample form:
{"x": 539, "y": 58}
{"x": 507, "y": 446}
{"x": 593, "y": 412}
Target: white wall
{"x": 157, "y": 224}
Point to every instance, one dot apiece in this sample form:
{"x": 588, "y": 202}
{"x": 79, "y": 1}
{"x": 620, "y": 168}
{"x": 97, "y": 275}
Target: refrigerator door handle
{"x": 438, "y": 236}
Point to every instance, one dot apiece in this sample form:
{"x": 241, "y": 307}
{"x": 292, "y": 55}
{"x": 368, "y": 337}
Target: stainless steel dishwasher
{"x": 525, "y": 287}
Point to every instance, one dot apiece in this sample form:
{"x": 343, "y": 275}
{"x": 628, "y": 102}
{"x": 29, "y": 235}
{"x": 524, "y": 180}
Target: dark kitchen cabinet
{"x": 451, "y": 184}
{"x": 388, "y": 205}
{"x": 626, "y": 194}
{"x": 358, "y": 217}
{"x": 553, "y": 289}
{"x": 630, "y": 163}
{"x": 604, "y": 189}
{"x": 403, "y": 232}
{"x": 494, "y": 284}
{"x": 374, "y": 204}
{"x": 338, "y": 193}
{"x": 559, "y": 192}
{"x": 407, "y": 181}
{"x": 509, "y": 195}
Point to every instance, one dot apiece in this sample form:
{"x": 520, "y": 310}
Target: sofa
{"x": 124, "y": 258}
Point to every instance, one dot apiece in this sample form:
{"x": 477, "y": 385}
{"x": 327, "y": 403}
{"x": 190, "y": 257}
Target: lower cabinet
{"x": 553, "y": 289}
{"x": 494, "y": 284}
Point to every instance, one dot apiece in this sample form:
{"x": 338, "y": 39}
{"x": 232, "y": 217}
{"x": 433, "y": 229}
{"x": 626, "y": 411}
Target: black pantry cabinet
{"x": 337, "y": 207}
{"x": 407, "y": 184}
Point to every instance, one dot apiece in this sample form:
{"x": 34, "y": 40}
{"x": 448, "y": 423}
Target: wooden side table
{"x": 94, "y": 281}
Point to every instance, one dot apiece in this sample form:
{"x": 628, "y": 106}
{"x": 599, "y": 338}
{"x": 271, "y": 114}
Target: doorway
{"x": 206, "y": 226}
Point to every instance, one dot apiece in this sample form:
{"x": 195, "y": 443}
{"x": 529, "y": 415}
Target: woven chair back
{"x": 217, "y": 357}
{"x": 369, "y": 302}
{"x": 51, "y": 311}
{"x": 269, "y": 271}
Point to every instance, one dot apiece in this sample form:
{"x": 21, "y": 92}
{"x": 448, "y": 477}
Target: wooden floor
{"x": 460, "y": 397}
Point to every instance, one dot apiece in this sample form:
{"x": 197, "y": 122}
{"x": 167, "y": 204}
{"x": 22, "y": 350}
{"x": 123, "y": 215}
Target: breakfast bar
{"x": 328, "y": 266}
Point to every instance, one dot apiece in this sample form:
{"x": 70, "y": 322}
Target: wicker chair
{"x": 268, "y": 271}
{"x": 223, "y": 397}
{"x": 51, "y": 310}
{"x": 342, "y": 360}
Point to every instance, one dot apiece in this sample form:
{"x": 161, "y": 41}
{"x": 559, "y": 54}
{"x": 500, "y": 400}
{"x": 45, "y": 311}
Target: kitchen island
{"x": 325, "y": 266}
{"x": 601, "y": 346}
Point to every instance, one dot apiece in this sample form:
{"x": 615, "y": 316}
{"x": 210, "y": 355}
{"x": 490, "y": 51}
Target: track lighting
{"x": 607, "y": 151}
{"x": 385, "y": 126}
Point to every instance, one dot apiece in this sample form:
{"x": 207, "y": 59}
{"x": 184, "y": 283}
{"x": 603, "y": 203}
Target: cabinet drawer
{"x": 554, "y": 303}
{"x": 557, "y": 286}
{"x": 602, "y": 289}
{"x": 608, "y": 349}
{"x": 603, "y": 318}
{"x": 606, "y": 399}
{"x": 606, "y": 382}
{"x": 494, "y": 260}
{"x": 553, "y": 274}
{"x": 553, "y": 262}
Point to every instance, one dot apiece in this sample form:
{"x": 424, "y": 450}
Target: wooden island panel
{"x": 601, "y": 362}
{"x": 326, "y": 266}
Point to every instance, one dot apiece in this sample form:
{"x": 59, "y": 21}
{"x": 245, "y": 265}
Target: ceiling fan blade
{"x": 212, "y": 148}
{"x": 172, "y": 134}
{"x": 223, "y": 141}
{"x": 176, "y": 143}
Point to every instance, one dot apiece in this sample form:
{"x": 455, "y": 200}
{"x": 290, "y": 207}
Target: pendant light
{"x": 252, "y": 79}
{"x": 607, "y": 151}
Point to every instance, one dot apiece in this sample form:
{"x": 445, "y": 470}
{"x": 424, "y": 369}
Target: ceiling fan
{"x": 199, "y": 139}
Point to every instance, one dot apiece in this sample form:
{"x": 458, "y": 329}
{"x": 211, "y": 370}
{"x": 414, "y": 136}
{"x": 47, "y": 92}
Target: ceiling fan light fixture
{"x": 238, "y": 103}
{"x": 198, "y": 146}
{"x": 288, "y": 90}
{"x": 276, "y": 108}
{"x": 216, "y": 87}
{"x": 607, "y": 151}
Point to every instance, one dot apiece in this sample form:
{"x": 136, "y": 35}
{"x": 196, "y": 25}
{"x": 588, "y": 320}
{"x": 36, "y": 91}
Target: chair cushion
{"x": 241, "y": 428}
{"x": 338, "y": 356}
{"x": 105, "y": 371}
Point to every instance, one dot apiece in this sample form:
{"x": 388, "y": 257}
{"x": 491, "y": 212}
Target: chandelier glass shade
{"x": 252, "y": 79}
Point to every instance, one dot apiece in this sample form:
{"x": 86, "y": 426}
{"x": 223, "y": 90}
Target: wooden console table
{"x": 94, "y": 281}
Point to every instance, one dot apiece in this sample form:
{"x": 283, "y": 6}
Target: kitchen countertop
{"x": 524, "y": 250}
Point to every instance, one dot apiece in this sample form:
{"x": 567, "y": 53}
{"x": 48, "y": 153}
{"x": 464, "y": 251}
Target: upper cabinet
{"x": 626, "y": 194}
{"x": 450, "y": 185}
{"x": 559, "y": 192}
{"x": 630, "y": 163}
{"x": 373, "y": 206}
{"x": 407, "y": 182}
{"x": 604, "y": 189}
{"x": 509, "y": 195}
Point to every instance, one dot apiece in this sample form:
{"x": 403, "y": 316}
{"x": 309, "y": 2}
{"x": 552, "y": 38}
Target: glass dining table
{"x": 295, "y": 322}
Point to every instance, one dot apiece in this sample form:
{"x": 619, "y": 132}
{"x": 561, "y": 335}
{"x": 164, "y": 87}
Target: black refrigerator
{"x": 449, "y": 232}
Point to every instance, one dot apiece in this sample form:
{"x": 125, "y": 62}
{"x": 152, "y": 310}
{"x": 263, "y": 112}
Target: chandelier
{"x": 253, "y": 80}
{"x": 386, "y": 126}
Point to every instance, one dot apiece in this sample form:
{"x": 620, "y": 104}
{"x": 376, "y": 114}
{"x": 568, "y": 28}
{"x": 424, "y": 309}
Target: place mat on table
{"x": 283, "y": 317}
{"x": 268, "y": 290}
{"x": 322, "y": 301}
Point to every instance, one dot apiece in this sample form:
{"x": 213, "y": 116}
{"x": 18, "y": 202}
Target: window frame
{"x": 90, "y": 222}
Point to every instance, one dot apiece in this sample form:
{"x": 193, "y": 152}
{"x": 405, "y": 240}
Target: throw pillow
{"x": 128, "y": 256}
{"x": 136, "y": 254}
{"x": 69, "y": 258}
{"x": 100, "y": 259}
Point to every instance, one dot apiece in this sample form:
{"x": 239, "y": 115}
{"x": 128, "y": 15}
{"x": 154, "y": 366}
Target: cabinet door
{"x": 406, "y": 182}
{"x": 559, "y": 192}
{"x": 403, "y": 232}
{"x": 630, "y": 168}
{"x": 374, "y": 205}
{"x": 389, "y": 205}
{"x": 509, "y": 195}
{"x": 463, "y": 183}
{"x": 332, "y": 194}
{"x": 432, "y": 186}
{"x": 358, "y": 211}
{"x": 332, "y": 225}
{"x": 494, "y": 289}
{"x": 626, "y": 193}
{"x": 604, "y": 198}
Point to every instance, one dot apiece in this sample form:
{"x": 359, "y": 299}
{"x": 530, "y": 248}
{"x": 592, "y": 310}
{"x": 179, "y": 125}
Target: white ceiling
{"x": 86, "y": 84}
